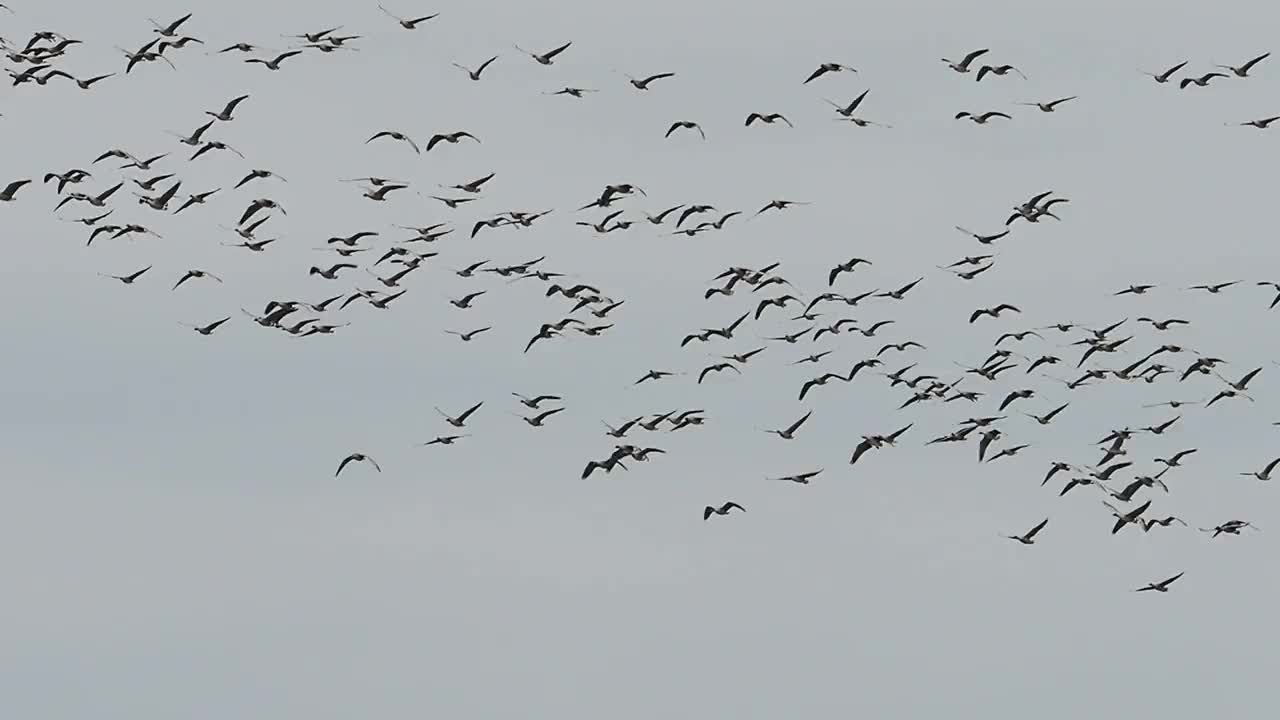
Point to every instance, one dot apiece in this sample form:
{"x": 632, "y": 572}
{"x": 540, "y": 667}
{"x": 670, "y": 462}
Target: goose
{"x": 315, "y": 37}
{"x": 444, "y": 440}
{"x": 548, "y": 57}
{"x": 10, "y": 191}
{"x": 352, "y": 239}
{"x": 533, "y": 402}
{"x": 194, "y": 138}
{"x": 207, "y": 330}
{"x": 356, "y": 457}
{"x": 1265, "y": 473}
{"x": 981, "y": 119}
{"x": 274, "y": 63}
{"x": 451, "y": 137}
{"x": 258, "y": 174}
{"x": 1162, "y": 586}
{"x": 82, "y": 84}
{"x": 779, "y": 205}
{"x": 827, "y": 67}
{"x": 984, "y": 239}
{"x": 194, "y": 274}
{"x": 767, "y": 118}
{"x": 1163, "y": 77}
{"x": 258, "y": 205}
{"x": 1176, "y": 459}
{"x": 1028, "y": 538}
{"x": 799, "y": 478}
{"x": 1008, "y": 452}
{"x": 653, "y": 375}
{"x": 177, "y": 44}
{"x": 214, "y": 145}
{"x": 540, "y": 418}
{"x": 845, "y": 267}
{"x": 255, "y": 245}
{"x": 992, "y": 312}
{"x": 789, "y": 432}
{"x": 576, "y": 92}
{"x": 718, "y": 224}
{"x": 143, "y": 165}
{"x": 963, "y": 65}
{"x": 395, "y": 135}
{"x": 91, "y": 220}
{"x": 1240, "y": 385}
{"x": 901, "y": 292}
{"x": 472, "y": 187}
{"x": 1159, "y": 429}
{"x": 1243, "y": 70}
{"x": 332, "y": 272}
{"x": 607, "y": 465}
{"x": 225, "y": 114}
{"x": 1017, "y": 336}
{"x": 870, "y": 442}
{"x": 999, "y": 70}
{"x": 1125, "y": 518}
{"x": 130, "y": 278}
{"x": 1202, "y": 81}
{"x": 724, "y": 509}
{"x": 1231, "y": 527}
{"x": 685, "y": 125}
{"x": 643, "y": 83}
{"x": 465, "y": 301}
{"x": 75, "y": 176}
{"x": 1135, "y": 290}
{"x": 1163, "y": 324}
{"x": 460, "y": 420}
{"x": 171, "y": 29}
{"x": 240, "y": 47}
{"x": 1261, "y": 124}
{"x": 1048, "y": 418}
{"x": 1214, "y": 289}
{"x": 1147, "y": 524}
{"x": 407, "y": 23}
{"x": 380, "y": 194}
{"x": 1050, "y": 106}
{"x": 717, "y": 367}
{"x": 475, "y": 74}
{"x": 1016, "y": 395}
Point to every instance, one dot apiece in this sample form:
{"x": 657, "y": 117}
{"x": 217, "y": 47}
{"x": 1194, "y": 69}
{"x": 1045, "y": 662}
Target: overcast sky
{"x": 174, "y": 541}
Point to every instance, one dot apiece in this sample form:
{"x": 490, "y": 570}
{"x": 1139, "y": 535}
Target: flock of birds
{"x": 1000, "y": 389}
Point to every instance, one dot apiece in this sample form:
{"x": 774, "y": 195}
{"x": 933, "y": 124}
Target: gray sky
{"x": 175, "y": 543}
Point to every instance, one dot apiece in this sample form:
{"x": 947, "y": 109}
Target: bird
{"x": 131, "y": 277}
{"x": 999, "y": 70}
{"x": 407, "y": 23}
{"x": 1201, "y": 81}
{"x": 963, "y": 65}
{"x": 643, "y": 83}
{"x": 1028, "y": 538}
{"x": 467, "y": 336}
{"x": 274, "y": 63}
{"x": 224, "y": 115}
{"x": 460, "y": 420}
{"x": 982, "y": 118}
{"x": 1162, "y": 586}
{"x": 193, "y": 274}
{"x": 1164, "y": 76}
{"x": 10, "y": 191}
{"x": 788, "y": 433}
{"x": 984, "y": 239}
{"x": 548, "y": 57}
{"x": 357, "y": 457}
{"x": 208, "y": 329}
{"x": 721, "y": 510}
{"x": 827, "y": 67}
{"x": 395, "y": 135}
{"x": 1243, "y": 70}
{"x": 685, "y": 125}
{"x": 1050, "y": 106}
{"x": 451, "y": 137}
{"x": 537, "y": 420}
{"x": 475, "y": 74}
{"x": 767, "y": 118}
{"x": 799, "y": 478}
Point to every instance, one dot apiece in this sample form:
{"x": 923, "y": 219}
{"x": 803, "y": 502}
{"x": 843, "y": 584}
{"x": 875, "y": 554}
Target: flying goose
{"x": 407, "y": 23}
{"x": 789, "y": 432}
{"x": 1162, "y": 586}
{"x": 1028, "y": 538}
{"x": 475, "y": 74}
{"x": 356, "y": 457}
{"x": 1243, "y": 70}
{"x": 982, "y": 118}
{"x": 1000, "y": 70}
{"x": 1202, "y": 81}
{"x": 722, "y": 510}
{"x": 684, "y": 125}
{"x": 827, "y": 67}
{"x": 207, "y": 330}
{"x": 963, "y": 65}
{"x": 1164, "y": 76}
{"x": 767, "y": 118}
{"x": 548, "y": 57}
{"x": 643, "y": 83}
{"x": 128, "y": 279}
{"x": 274, "y": 63}
{"x": 1051, "y": 105}
{"x": 225, "y": 114}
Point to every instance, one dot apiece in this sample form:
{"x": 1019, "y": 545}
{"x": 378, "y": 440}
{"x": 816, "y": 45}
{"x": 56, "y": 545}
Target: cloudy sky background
{"x": 174, "y": 540}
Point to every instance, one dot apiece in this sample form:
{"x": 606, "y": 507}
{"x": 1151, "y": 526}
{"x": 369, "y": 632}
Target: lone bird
{"x": 722, "y": 510}
{"x": 1028, "y": 538}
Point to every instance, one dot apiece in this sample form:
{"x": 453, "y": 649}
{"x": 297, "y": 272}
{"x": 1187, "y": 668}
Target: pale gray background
{"x": 174, "y": 543}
